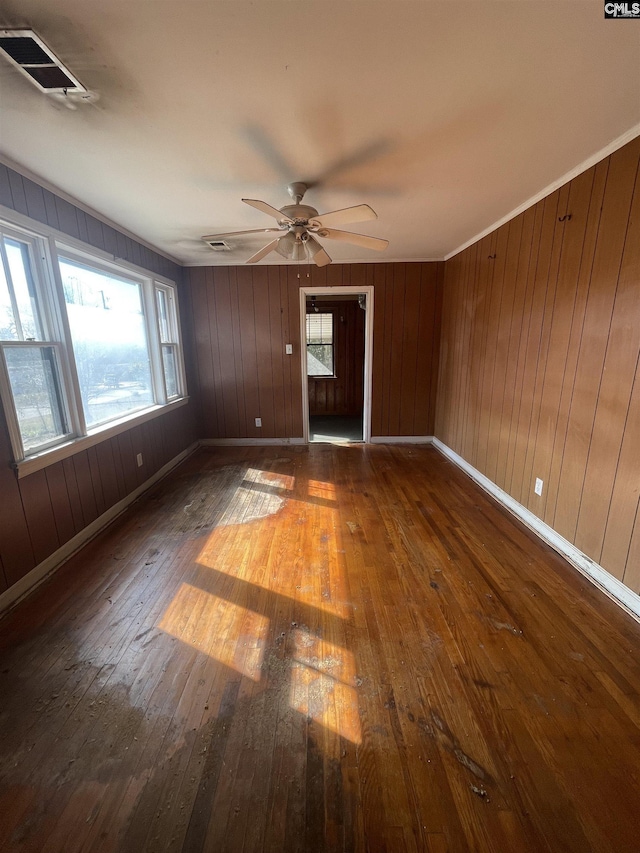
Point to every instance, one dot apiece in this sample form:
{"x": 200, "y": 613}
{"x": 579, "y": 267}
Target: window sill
{"x": 63, "y": 451}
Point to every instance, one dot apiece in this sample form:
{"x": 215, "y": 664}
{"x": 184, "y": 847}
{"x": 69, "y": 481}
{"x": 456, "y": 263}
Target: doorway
{"x": 337, "y": 336}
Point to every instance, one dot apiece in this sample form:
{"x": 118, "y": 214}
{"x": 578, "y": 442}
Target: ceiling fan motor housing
{"x": 299, "y": 213}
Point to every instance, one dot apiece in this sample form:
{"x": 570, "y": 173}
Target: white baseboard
{"x": 43, "y": 570}
{"x": 266, "y": 442}
{"x": 248, "y": 442}
{"x": 401, "y": 439}
{"x": 606, "y": 582}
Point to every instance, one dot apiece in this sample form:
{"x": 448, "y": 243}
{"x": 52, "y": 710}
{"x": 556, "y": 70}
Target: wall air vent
{"x": 217, "y": 245}
{"x": 31, "y": 56}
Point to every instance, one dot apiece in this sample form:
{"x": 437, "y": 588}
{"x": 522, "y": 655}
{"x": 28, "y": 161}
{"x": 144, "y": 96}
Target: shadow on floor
{"x": 335, "y": 428}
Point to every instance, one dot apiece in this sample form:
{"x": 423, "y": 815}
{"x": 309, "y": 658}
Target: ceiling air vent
{"x": 35, "y": 60}
{"x": 217, "y": 245}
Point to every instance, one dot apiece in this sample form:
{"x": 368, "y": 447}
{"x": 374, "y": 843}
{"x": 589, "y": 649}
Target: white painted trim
{"x": 42, "y": 182}
{"x": 568, "y": 176}
{"x": 367, "y": 290}
{"x": 235, "y": 262}
{"x": 47, "y": 567}
{"x": 599, "y": 576}
{"x": 248, "y": 442}
{"x": 401, "y": 439}
{"x": 96, "y": 436}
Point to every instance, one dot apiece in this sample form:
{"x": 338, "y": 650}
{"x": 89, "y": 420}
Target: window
{"x": 320, "y": 344}
{"x": 30, "y": 354}
{"x": 109, "y": 341}
{"x": 168, "y": 329}
{"x": 84, "y": 343}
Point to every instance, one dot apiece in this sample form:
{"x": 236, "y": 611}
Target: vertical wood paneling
{"x": 35, "y": 201}
{"x": 615, "y": 394}
{"x": 293, "y": 290}
{"x": 85, "y": 487}
{"x": 566, "y": 299}
{"x": 539, "y": 361}
{"x": 266, "y": 350}
{"x": 242, "y": 318}
{"x": 595, "y": 333}
{"x": 60, "y": 503}
{"x": 73, "y": 494}
{"x": 46, "y": 509}
{"x": 17, "y": 193}
{"x": 4, "y": 583}
{"x": 225, "y": 351}
{"x": 5, "y": 187}
{"x": 550, "y": 272}
{"x": 247, "y": 317}
{"x": 16, "y": 550}
{"x": 38, "y": 511}
{"x": 620, "y": 552}
{"x": 539, "y": 271}
{"x": 214, "y": 346}
{"x": 519, "y": 255}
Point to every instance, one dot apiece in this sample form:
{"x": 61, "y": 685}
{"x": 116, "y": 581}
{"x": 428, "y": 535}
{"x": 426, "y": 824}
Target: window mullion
{"x": 68, "y": 367}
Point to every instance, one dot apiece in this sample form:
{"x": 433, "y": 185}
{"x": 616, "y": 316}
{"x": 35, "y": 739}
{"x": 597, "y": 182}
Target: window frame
{"x": 173, "y": 334}
{"x": 46, "y": 245}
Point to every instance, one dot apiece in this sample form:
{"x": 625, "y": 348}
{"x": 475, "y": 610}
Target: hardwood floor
{"x": 324, "y": 648}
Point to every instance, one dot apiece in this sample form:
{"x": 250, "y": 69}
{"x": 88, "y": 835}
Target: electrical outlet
{"x": 139, "y": 460}
{"x": 258, "y": 421}
{"x": 288, "y": 349}
{"x": 538, "y": 486}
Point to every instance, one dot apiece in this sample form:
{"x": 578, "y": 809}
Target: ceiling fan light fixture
{"x": 301, "y": 222}
{"x": 292, "y": 247}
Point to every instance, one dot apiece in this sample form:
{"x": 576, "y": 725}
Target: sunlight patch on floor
{"x": 260, "y": 495}
{"x": 323, "y": 678}
{"x": 223, "y": 630}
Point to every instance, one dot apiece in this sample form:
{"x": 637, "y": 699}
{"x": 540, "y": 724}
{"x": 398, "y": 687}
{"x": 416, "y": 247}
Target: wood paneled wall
{"x": 243, "y": 317}
{"x": 539, "y": 360}
{"x": 406, "y": 345}
{"x": 43, "y": 511}
{"x": 343, "y": 393}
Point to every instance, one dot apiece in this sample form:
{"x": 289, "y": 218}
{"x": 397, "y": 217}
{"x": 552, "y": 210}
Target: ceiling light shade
{"x": 291, "y": 246}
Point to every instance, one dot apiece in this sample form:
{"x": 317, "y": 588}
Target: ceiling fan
{"x": 298, "y": 225}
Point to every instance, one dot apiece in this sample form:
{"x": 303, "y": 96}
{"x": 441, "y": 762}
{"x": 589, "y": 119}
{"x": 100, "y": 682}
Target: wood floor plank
{"x": 318, "y": 649}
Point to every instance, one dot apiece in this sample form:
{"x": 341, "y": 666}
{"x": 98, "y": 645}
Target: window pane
{"x": 8, "y": 329}
{"x": 18, "y": 314}
{"x": 319, "y": 328}
{"x": 170, "y": 370}
{"x": 320, "y": 344}
{"x": 320, "y": 360}
{"x": 109, "y": 342}
{"x": 163, "y": 316}
{"x": 36, "y": 393}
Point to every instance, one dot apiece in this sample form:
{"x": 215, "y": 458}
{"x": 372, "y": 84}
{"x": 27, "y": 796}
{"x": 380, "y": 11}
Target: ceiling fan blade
{"x": 263, "y": 252}
{"x": 357, "y": 239}
{"x": 234, "y": 233}
{"x": 359, "y": 213}
{"x": 266, "y": 208}
{"x": 318, "y": 254}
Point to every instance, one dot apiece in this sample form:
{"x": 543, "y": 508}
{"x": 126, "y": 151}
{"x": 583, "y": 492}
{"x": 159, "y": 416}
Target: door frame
{"x": 367, "y": 290}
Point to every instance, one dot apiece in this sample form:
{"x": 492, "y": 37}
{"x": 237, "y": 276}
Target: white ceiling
{"x": 443, "y": 116}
